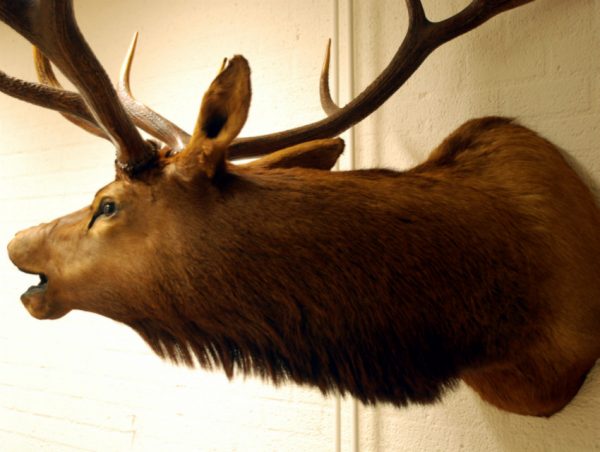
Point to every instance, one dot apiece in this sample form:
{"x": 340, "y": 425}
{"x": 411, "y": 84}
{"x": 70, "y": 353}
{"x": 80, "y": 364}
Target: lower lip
{"x": 36, "y": 289}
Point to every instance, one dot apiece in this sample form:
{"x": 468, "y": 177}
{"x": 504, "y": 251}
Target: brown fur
{"x": 481, "y": 263}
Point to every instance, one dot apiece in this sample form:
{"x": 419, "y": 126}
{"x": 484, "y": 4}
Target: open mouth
{"x": 40, "y": 287}
{"x": 37, "y": 303}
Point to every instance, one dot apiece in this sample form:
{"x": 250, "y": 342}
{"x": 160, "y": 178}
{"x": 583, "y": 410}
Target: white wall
{"x": 86, "y": 383}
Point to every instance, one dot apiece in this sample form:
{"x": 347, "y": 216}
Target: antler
{"x": 328, "y": 104}
{"x": 143, "y": 116}
{"x": 50, "y": 25}
{"x": 45, "y": 96}
{"x": 46, "y": 77}
{"x": 421, "y": 39}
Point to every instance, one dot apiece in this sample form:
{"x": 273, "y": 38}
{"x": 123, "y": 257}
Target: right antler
{"x": 421, "y": 39}
{"x": 46, "y": 77}
{"x": 143, "y": 116}
{"x": 50, "y": 25}
{"x": 46, "y": 96}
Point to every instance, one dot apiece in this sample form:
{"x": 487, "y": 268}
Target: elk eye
{"x": 108, "y": 208}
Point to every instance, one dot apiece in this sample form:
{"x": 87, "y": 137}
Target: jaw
{"x": 39, "y": 303}
{"x": 40, "y": 308}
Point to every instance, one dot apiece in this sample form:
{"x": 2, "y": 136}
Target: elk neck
{"x": 287, "y": 274}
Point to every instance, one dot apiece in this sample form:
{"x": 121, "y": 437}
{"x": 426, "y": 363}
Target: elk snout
{"x": 25, "y": 248}
{"x": 28, "y": 252}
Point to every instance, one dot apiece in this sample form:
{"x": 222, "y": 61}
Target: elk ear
{"x": 222, "y": 115}
{"x": 316, "y": 154}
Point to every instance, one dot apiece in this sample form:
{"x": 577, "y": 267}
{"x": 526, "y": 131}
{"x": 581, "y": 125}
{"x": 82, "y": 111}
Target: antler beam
{"x": 46, "y": 76}
{"x": 50, "y": 25}
{"x": 421, "y": 39}
{"x": 45, "y": 96}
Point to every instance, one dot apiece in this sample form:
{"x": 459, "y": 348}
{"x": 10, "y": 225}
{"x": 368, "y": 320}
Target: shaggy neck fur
{"x": 326, "y": 279}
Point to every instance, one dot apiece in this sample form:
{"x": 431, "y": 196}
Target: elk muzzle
{"x": 29, "y": 250}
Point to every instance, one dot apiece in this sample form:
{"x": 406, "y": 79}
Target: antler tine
{"x": 47, "y": 77}
{"x": 421, "y": 39}
{"x": 143, "y": 116}
{"x": 45, "y": 96}
{"x": 51, "y": 95}
{"x": 50, "y": 25}
{"x": 328, "y": 104}
{"x": 416, "y": 13}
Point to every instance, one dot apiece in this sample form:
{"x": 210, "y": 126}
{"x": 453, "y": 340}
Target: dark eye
{"x": 107, "y": 208}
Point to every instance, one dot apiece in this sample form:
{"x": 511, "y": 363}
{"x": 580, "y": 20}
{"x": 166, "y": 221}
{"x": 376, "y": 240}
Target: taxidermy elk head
{"x": 479, "y": 264}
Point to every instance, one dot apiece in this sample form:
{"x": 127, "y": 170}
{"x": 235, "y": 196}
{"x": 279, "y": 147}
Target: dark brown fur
{"x": 389, "y": 286}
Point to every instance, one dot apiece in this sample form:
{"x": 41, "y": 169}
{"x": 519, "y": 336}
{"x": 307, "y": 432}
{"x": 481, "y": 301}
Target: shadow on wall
{"x": 574, "y": 428}
{"x": 462, "y": 421}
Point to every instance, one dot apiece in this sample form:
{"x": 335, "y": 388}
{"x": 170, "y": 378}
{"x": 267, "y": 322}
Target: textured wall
{"x": 86, "y": 383}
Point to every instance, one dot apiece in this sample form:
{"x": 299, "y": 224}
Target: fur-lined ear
{"x": 316, "y": 154}
{"x": 222, "y": 115}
